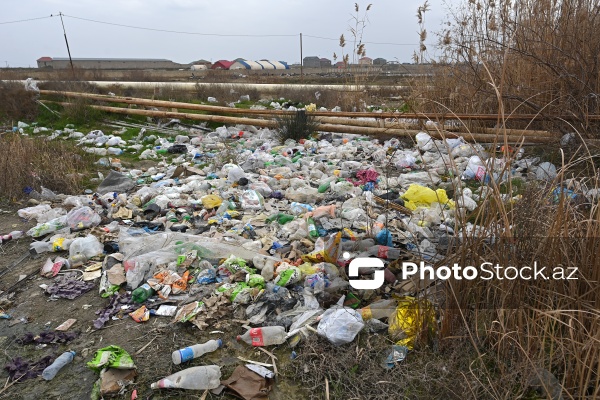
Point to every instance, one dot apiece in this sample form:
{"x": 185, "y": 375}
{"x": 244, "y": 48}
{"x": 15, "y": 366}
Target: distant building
{"x": 325, "y": 63}
{"x": 340, "y": 65}
{"x": 109, "y": 63}
{"x": 221, "y": 64}
{"x": 365, "y": 61}
{"x": 202, "y": 62}
{"x": 311, "y": 62}
{"x": 262, "y": 64}
{"x": 379, "y": 61}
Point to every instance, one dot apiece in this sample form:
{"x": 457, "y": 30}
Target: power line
{"x": 384, "y": 43}
{"x": 27, "y": 20}
{"x": 170, "y": 31}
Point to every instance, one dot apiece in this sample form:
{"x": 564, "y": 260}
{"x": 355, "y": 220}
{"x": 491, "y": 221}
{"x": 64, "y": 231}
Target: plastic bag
{"x": 340, "y": 325}
{"x": 411, "y": 317}
{"x": 418, "y": 195}
{"x": 82, "y": 218}
{"x": 211, "y": 201}
{"x": 424, "y": 141}
{"x": 34, "y": 212}
{"x": 89, "y": 246}
{"x": 252, "y": 200}
{"x": 48, "y": 227}
{"x": 475, "y": 169}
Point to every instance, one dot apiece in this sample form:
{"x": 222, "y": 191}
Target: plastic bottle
{"x": 142, "y": 293}
{"x": 195, "y": 351}
{"x": 40, "y": 247}
{"x": 194, "y": 378}
{"x": 312, "y": 229}
{"x": 13, "y": 235}
{"x": 379, "y": 309}
{"x": 265, "y": 336}
{"x": 389, "y": 253}
{"x": 50, "y": 372}
{"x": 281, "y": 218}
{"x": 273, "y": 288}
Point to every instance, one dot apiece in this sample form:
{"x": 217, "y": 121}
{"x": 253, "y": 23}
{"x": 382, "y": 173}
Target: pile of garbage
{"x": 268, "y": 235}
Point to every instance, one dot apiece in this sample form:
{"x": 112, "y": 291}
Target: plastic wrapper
{"x": 288, "y": 276}
{"x": 111, "y": 357}
{"x": 82, "y": 218}
{"x": 340, "y": 325}
{"x": 48, "y": 227}
{"x": 252, "y": 200}
{"x": 411, "y": 318}
{"x": 142, "y": 314}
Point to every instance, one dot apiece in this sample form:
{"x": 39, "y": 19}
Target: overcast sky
{"x": 390, "y": 21}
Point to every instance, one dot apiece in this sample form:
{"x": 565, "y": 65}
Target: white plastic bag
{"x": 340, "y": 325}
{"x": 424, "y": 141}
{"x": 82, "y": 218}
{"x": 475, "y": 169}
{"x": 89, "y": 246}
{"x": 252, "y": 200}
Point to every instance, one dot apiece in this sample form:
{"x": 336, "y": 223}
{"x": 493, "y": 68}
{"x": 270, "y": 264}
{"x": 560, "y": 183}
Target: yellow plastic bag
{"x": 411, "y": 318}
{"x": 418, "y": 195}
{"x": 211, "y": 201}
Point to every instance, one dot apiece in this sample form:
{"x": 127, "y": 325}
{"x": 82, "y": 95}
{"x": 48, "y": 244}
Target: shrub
{"x": 299, "y": 125}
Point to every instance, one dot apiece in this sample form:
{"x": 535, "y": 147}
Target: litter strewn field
{"x": 178, "y": 233}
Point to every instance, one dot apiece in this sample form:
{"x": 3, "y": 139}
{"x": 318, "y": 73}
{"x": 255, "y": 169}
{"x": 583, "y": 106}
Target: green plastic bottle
{"x": 312, "y": 228}
{"x": 323, "y": 188}
{"x": 297, "y": 157}
{"x": 162, "y": 151}
{"x": 281, "y": 218}
{"x": 142, "y": 293}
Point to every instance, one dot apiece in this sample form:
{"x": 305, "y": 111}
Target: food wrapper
{"x": 111, "y": 357}
{"x": 288, "y": 277}
{"x": 411, "y": 318}
{"x": 255, "y": 280}
{"x": 142, "y": 314}
{"x": 188, "y": 311}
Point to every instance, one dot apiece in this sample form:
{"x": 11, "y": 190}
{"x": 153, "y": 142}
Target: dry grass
{"x": 35, "y": 162}
{"x": 16, "y": 103}
{"x": 541, "y": 55}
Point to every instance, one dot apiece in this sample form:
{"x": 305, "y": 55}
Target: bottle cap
{"x": 238, "y": 338}
{"x": 220, "y": 342}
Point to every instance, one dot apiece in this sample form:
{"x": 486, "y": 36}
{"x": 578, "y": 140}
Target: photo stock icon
{"x": 374, "y": 265}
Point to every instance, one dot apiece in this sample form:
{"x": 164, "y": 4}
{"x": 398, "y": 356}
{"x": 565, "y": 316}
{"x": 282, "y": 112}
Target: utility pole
{"x": 67, "y": 42}
{"x": 301, "y": 60}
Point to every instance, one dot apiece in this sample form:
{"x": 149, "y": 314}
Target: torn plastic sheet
{"x": 21, "y": 369}
{"x": 65, "y": 287}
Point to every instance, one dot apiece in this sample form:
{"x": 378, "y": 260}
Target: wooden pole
{"x": 368, "y": 131}
{"x": 328, "y": 117}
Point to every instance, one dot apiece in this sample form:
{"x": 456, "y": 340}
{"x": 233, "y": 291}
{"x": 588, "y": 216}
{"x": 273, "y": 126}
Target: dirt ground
{"x": 150, "y": 344}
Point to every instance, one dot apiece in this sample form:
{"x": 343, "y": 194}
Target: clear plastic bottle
{"x": 378, "y": 310}
{"x": 194, "y": 378}
{"x": 195, "y": 351}
{"x": 388, "y": 253}
{"x": 13, "y": 235}
{"x": 50, "y": 372}
{"x": 273, "y": 288}
{"x": 265, "y": 336}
